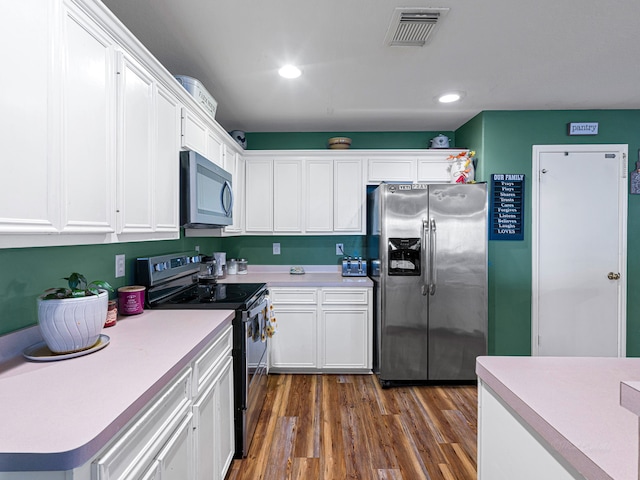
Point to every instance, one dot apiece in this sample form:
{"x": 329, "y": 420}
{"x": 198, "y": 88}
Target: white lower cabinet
{"x": 213, "y": 424}
{"x": 322, "y": 329}
{"x": 155, "y": 432}
{"x": 185, "y": 433}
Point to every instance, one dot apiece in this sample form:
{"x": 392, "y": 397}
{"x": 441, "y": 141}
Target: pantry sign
{"x": 507, "y": 206}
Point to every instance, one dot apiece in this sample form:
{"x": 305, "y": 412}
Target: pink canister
{"x": 131, "y": 300}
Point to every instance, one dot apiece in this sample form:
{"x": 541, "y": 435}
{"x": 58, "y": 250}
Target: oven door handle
{"x": 247, "y": 314}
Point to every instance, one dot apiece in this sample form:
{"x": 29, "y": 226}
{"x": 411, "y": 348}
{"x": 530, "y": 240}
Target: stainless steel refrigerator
{"x": 430, "y": 280}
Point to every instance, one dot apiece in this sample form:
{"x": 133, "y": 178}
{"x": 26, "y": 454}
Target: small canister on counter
{"x": 242, "y": 266}
{"x": 112, "y": 313}
{"x": 131, "y": 299}
{"x": 232, "y": 266}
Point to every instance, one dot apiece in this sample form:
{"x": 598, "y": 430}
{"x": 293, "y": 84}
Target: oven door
{"x": 255, "y": 369}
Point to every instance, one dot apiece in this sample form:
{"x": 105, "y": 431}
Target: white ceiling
{"x": 505, "y": 54}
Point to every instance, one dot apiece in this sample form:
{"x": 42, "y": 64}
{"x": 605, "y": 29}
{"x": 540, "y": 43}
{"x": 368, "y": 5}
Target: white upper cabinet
{"x": 148, "y": 152}
{"x": 30, "y": 188}
{"x": 194, "y": 132}
{"x": 318, "y": 194}
{"x": 259, "y": 196}
{"x": 313, "y": 194}
{"x": 166, "y": 167}
{"x": 87, "y": 148}
{"x": 412, "y": 166}
{"x": 349, "y": 196}
{"x": 215, "y": 148}
{"x": 135, "y": 147}
{"x": 287, "y": 196}
{"x": 198, "y": 136}
{"x": 390, "y": 169}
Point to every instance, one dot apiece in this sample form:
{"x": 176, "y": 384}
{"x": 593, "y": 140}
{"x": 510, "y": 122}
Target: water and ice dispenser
{"x": 404, "y": 256}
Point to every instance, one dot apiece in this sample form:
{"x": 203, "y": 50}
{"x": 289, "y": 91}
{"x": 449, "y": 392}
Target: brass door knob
{"x": 613, "y": 276}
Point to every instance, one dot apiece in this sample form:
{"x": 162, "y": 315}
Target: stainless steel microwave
{"x": 206, "y": 198}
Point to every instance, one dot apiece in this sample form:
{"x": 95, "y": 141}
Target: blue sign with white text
{"x": 507, "y": 207}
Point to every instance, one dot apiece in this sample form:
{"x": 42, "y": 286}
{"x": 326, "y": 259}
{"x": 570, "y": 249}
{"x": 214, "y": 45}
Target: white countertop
{"x": 575, "y": 405}
{"x": 314, "y": 276}
{"x": 57, "y": 415}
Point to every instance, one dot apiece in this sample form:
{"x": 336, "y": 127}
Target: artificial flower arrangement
{"x": 462, "y": 170}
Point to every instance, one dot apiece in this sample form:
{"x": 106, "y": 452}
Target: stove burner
{"x": 208, "y": 293}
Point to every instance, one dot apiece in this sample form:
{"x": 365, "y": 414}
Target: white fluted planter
{"x": 72, "y": 324}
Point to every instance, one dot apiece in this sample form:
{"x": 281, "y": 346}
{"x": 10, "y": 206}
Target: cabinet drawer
{"x": 344, "y": 296}
{"x": 293, "y": 296}
{"x": 143, "y": 439}
{"x": 205, "y": 365}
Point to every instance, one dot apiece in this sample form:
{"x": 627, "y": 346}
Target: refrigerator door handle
{"x": 432, "y": 258}
{"x": 426, "y": 245}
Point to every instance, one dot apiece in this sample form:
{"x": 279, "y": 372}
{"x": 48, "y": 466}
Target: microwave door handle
{"x": 227, "y": 210}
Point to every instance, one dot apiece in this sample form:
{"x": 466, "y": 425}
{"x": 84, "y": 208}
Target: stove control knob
{"x": 158, "y": 267}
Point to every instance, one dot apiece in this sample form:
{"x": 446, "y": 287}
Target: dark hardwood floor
{"x": 337, "y": 427}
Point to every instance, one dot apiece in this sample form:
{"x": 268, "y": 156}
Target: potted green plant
{"x": 71, "y": 318}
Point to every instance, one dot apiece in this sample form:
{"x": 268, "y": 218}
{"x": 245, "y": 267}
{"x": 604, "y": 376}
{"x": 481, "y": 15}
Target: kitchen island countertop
{"x": 314, "y": 276}
{"x": 57, "y": 415}
{"x": 585, "y": 408}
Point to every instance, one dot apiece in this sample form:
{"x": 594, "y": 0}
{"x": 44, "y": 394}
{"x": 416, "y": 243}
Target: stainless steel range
{"x": 174, "y": 282}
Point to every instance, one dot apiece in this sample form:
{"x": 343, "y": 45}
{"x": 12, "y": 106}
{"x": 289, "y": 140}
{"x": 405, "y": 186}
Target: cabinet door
{"x": 344, "y": 334}
{"x": 29, "y": 199}
{"x": 215, "y": 148}
{"x": 234, "y": 163}
{"x": 195, "y": 135}
{"x": 135, "y": 161}
{"x": 176, "y": 457}
{"x": 259, "y": 195}
{"x": 225, "y": 431}
{"x": 349, "y": 196}
{"x": 319, "y": 196}
{"x": 87, "y": 147}
{"x": 391, "y": 170}
{"x": 213, "y": 426}
{"x": 295, "y": 344}
{"x": 434, "y": 170}
{"x": 166, "y": 167}
{"x": 287, "y": 196}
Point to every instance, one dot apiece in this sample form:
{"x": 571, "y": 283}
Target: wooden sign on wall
{"x": 507, "y": 207}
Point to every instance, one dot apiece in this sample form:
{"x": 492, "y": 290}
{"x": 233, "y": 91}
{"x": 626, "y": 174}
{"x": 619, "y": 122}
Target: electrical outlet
{"x": 120, "y": 265}
{"x": 339, "y": 249}
{"x": 276, "y": 249}
{"x": 197, "y": 247}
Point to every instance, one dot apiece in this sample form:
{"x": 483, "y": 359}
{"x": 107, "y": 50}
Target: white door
{"x": 579, "y": 207}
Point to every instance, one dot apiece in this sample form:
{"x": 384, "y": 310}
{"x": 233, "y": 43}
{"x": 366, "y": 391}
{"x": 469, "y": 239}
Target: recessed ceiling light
{"x": 450, "y": 97}
{"x": 290, "y": 71}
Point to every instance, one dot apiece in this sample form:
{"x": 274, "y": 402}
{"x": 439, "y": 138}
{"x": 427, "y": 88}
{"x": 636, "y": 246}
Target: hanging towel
{"x": 270, "y": 324}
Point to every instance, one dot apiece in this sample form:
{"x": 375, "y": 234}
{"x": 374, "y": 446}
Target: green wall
{"x": 307, "y": 250}
{"x": 318, "y": 140}
{"x": 504, "y": 141}
{"x": 26, "y": 272}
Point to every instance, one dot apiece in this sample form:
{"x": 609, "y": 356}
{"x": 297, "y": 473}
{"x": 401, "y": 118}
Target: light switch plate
{"x": 120, "y": 265}
{"x": 276, "y": 249}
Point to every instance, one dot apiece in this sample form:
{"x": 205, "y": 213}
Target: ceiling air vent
{"x": 412, "y": 27}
